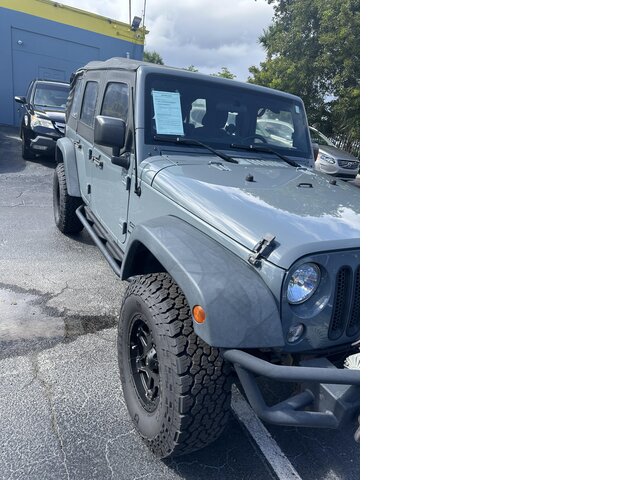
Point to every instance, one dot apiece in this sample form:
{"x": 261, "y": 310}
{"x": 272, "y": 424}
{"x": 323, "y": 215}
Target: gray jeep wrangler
{"x": 243, "y": 261}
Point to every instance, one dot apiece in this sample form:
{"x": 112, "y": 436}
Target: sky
{"x": 209, "y": 34}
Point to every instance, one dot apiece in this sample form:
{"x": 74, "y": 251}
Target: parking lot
{"x": 61, "y": 409}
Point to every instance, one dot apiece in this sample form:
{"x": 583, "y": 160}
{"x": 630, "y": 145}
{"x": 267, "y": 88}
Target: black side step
{"x": 114, "y": 251}
{"x": 103, "y": 245}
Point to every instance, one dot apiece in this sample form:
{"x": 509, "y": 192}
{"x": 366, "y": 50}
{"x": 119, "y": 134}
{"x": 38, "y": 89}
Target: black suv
{"x": 43, "y": 119}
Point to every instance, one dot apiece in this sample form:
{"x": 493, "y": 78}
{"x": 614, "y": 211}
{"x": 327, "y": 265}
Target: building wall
{"x": 32, "y": 46}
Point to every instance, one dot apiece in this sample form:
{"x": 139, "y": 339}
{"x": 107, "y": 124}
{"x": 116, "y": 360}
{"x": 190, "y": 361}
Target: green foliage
{"x": 224, "y": 73}
{"x": 153, "y": 57}
{"x": 313, "y": 51}
{"x": 190, "y": 68}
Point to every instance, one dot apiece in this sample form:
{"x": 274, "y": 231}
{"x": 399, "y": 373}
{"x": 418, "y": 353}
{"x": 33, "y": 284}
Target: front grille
{"x": 348, "y": 164}
{"x": 339, "y": 317}
{"x": 354, "y": 320}
{"x": 346, "y": 305}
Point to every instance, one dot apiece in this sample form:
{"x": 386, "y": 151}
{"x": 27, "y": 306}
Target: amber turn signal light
{"x": 198, "y": 314}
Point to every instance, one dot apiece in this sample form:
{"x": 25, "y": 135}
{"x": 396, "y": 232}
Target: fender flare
{"x": 64, "y": 147}
{"x": 241, "y": 311}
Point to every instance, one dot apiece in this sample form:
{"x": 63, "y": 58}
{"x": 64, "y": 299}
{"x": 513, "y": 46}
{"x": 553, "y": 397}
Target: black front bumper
{"x": 329, "y": 396}
{"x": 42, "y": 140}
{"x": 43, "y": 144}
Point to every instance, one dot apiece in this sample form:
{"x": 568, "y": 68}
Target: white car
{"x": 331, "y": 159}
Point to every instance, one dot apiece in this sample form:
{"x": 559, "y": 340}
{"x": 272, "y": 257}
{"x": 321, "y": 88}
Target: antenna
{"x": 129, "y": 12}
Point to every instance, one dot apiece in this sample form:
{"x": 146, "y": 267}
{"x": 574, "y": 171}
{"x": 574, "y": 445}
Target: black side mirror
{"x": 111, "y": 132}
{"x": 316, "y": 150}
{"x": 22, "y": 100}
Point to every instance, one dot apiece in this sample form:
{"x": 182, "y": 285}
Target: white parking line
{"x": 278, "y": 461}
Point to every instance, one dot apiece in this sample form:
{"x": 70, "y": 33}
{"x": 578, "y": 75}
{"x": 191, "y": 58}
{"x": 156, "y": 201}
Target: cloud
{"x": 206, "y": 34}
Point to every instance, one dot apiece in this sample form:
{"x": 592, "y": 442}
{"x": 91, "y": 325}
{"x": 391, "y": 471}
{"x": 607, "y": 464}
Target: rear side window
{"x": 116, "y": 101}
{"x": 88, "y": 113}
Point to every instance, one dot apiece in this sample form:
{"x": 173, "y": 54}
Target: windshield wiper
{"x": 260, "y": 148}
{"x": 191, "y": 141}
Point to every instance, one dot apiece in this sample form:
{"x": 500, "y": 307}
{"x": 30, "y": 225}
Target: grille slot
{"x": 354, "y": 320}
{"x": 340, "y": 306}
{"x": 349, "y": 164}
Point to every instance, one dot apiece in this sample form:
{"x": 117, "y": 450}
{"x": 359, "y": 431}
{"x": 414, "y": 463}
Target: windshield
{"x": 220, "y": 115}
{"x": 51, "y": 95}
{"x": 319, "y": 138}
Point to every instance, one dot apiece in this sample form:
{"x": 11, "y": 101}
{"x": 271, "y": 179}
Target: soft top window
{"x": 88, "y": 112}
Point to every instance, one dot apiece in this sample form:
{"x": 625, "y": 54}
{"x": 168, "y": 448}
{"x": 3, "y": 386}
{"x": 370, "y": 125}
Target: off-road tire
{"x": 27, "y": 154}
{"x": 192, "y": 401}
{"x": 64, "y": 205}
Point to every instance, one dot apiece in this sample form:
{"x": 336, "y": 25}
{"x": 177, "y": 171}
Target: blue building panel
{"x": 35, "y": 47}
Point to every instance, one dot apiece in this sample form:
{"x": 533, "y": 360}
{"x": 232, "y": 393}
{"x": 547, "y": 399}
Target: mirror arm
{"x": 123, "y": 161}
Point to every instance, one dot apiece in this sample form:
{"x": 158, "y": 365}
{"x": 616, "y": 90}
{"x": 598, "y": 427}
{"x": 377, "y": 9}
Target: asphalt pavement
{"x": 62, "y": 414}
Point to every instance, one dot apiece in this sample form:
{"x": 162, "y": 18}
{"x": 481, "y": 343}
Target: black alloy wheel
{"x": 143, "y": 360}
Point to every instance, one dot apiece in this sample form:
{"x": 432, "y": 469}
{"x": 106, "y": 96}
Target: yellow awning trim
{"x": 75, "y": 17}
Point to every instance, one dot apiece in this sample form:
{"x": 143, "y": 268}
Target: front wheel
{"x": 176, "y": 387}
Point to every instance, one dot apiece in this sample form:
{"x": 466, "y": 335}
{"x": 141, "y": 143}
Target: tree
{"x": 153, "y": 57}
{"x": 224, "y": 73}
{"x": 190, "y": 68}
{"x": 313, "y": 51}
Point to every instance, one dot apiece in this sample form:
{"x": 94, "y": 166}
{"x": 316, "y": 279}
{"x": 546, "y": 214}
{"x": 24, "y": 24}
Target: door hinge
{"x": 262, "y": 249}
{"x": 128, "y": 183}
{"x": 88, "y": 189}
{"x": 124, "y": 228}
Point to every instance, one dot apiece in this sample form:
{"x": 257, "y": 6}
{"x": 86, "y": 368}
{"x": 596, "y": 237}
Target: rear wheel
{"x": 176, "y": 387}
{"x": 64, "y": 205}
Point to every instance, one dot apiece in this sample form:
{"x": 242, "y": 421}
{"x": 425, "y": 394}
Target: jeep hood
{"x": 302, "y": 208}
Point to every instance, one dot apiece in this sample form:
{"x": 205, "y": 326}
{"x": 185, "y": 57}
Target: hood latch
{"x": 262, "y": 249}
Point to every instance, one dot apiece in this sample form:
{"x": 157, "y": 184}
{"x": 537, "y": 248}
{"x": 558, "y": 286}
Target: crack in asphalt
{"x": 142, "y": 476}
{"x": 54, "y": 418}
{"x": 55, "y": 295}
{"x": 106, "y": 449}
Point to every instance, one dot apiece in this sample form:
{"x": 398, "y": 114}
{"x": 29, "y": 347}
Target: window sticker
{"x": 168, "y": 115}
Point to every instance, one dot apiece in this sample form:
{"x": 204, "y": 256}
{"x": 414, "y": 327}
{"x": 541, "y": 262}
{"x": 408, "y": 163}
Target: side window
{"x": 116, "y": 101}
{"x": 88, "y": 113}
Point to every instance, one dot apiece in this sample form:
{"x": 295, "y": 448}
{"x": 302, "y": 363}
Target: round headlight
{"x": 303, "y": 283}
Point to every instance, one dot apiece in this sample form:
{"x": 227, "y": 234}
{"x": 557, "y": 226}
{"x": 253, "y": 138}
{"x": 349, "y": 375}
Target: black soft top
{"x": 119, "y": 63}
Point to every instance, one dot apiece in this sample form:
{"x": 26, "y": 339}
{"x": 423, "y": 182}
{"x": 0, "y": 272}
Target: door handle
{"x": 96, "y": 160}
